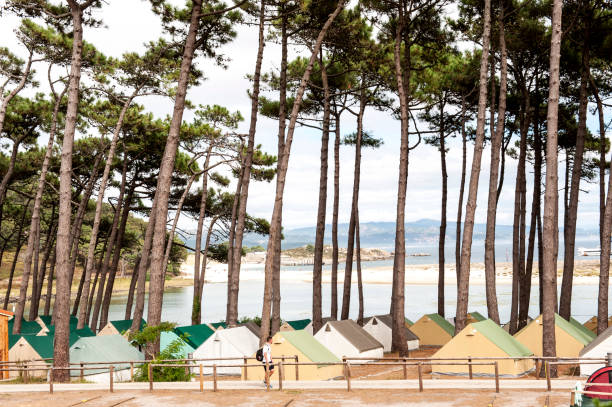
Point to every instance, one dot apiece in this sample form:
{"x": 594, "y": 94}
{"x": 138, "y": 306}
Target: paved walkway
{"x": 485, "y": 384}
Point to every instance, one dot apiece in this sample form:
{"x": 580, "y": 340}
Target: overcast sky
{"x": 129, "y": 23}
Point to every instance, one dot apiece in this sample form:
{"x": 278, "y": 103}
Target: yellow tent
{"x": 307, "y": 349}
{"x": 485, "y": 339}
{"x": 570, "y": 336}
{"x": 591, "y": 324}
{"x": 433, "y": 330}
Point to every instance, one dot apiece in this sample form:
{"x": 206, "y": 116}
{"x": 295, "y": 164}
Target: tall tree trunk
{"x": 550, "y": 232}
{"x": 275, "y": 230}
{"x": 231, "y": 316}
{"x": 518, "y": 231}
{"x": 50, "y": 285}
{"x": 398, "y": 341}
{"x": 116, "y": 254}
{"x": 202, "y": 271}
{"x": 98, "y": 215}
{"x": 130, "y": 299}
{"x": 442, "y": 239}
{"x": 565, "y": 299}
{"x": 156, "y": 284}
{"x": 16, "y": 256}
{"x": 196, "y": 314}
{"x": 496, "y": 144}
{"x": 34, "y": 235}
{"x": 276, "y": 292}
{"x": 348, "y": 269}
{"x": 90, "y": 300}
{"x": 360, "y": 313}
{"x": 111, "y": 244}
{"x": 461, "y": 190}
{"x": 142, "y": 271}
{"x": 606, "y": 222}
{"x": 317, "y": 270}
{"x": 62, "y": 301}
{"x": 470, "y": 210}
{"x": 236, "y": 247}
{"x": 43, "y": 268}
{"x": 77, "y": 299}
{"x": 336, "y": 204}
{"x": 525, "y": 288}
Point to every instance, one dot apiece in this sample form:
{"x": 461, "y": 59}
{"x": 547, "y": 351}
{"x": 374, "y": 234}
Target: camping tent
{"x": 167, "y": 338}
{"x": 346, "y": 338}
{"x": 194, "y": 335}
{"x": 217, "y": 325}
{"x": 591, "y": 324}
{"x": 238, "y": 342}
{"x": 105, "y": 349}
{"x": 295, "y": 325}
{"x": 598, "y": 348}
{"x": 380, "y": 327}
{"x": 307, "y": 349}
{"x": 308, "y": 327}
{"x": 253, "y": 327}
{"x": 433, "y": 330}
{"x": 120, "y": 327}
{"x": 31, "y": 349}
{"x": 485, "y": 339}
{"x": 570, "y": 336}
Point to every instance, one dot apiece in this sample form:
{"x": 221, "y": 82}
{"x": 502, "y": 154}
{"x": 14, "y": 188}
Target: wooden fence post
{"x": 496, "y": 377}
{"x": 297, "y": 370}
{"x": 280, "y": 375}
{"x": 201, "y": 379}
{"x": 214, "y": 377}
{"x": 51, "y": 380}
{"x": 187, "y": 369}
{"x": 131, "y": 371}
{"x": 82, "y": 374}
{"x": 111, "y": 377}
{"x": 420, "y": 371}
{"x": 405, "y": 369}
{"x": 26, "y": 379}
{"x": 547, "y": 370}
{"x": 246, "y": 375}
{"x": 470, "y": 367}
{"x": 347, "y": 375}
{"x": 150, "y": 377}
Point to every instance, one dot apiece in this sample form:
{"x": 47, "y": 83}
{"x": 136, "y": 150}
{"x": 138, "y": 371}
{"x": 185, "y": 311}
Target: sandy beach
{"x": 586, "y": 273}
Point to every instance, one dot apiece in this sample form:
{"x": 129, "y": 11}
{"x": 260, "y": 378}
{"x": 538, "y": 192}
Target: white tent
{"x": 346, "y": 338}
{"x": 598, "y": 348}
{"x": 380, "y": 328}
{"x": 238, "y": 342}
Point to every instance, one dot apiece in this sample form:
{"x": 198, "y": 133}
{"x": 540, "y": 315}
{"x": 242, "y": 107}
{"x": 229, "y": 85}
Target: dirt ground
{"x": 289, "y": 398}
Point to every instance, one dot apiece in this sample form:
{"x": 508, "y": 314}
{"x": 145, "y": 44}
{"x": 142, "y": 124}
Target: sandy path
{"x": 291, "y": 398}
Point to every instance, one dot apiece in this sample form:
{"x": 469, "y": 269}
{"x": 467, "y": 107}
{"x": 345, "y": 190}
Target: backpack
{"x": 259, "y": 355}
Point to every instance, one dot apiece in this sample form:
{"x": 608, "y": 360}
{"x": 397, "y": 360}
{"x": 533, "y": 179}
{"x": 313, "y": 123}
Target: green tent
{"x": 477, "y": 316}
{"x": 444, "y": 324}
{"x": 586, "y": 331}
{"x": 166, "y": 338}
{"x": 27, "y": 327}
{"x": 299, "y": 324}
{"x": 43, "y": 345}
{"x": 502, "y": 339}
{"x": 46, "y": 319}
{"x": 216, "y": 325}
{"x": 572, "y": 328}
{"x": 309, "y": 346}
{"x": 105, "y": 349}
{"x": 195, "y": 335}
{"x": 124, "y": 325}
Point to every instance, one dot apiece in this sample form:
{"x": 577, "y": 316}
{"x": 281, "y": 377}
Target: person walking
{"x": 267, "y": 361}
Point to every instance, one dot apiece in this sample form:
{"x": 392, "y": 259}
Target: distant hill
{"x": 381, "y": 235}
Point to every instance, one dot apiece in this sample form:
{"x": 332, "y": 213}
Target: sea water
{"x": 296, "y": 301}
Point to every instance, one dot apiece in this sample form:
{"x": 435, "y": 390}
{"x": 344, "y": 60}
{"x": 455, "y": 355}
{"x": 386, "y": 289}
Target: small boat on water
{"x": 589, "y": 252}
{"x": 420, "y": 254}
